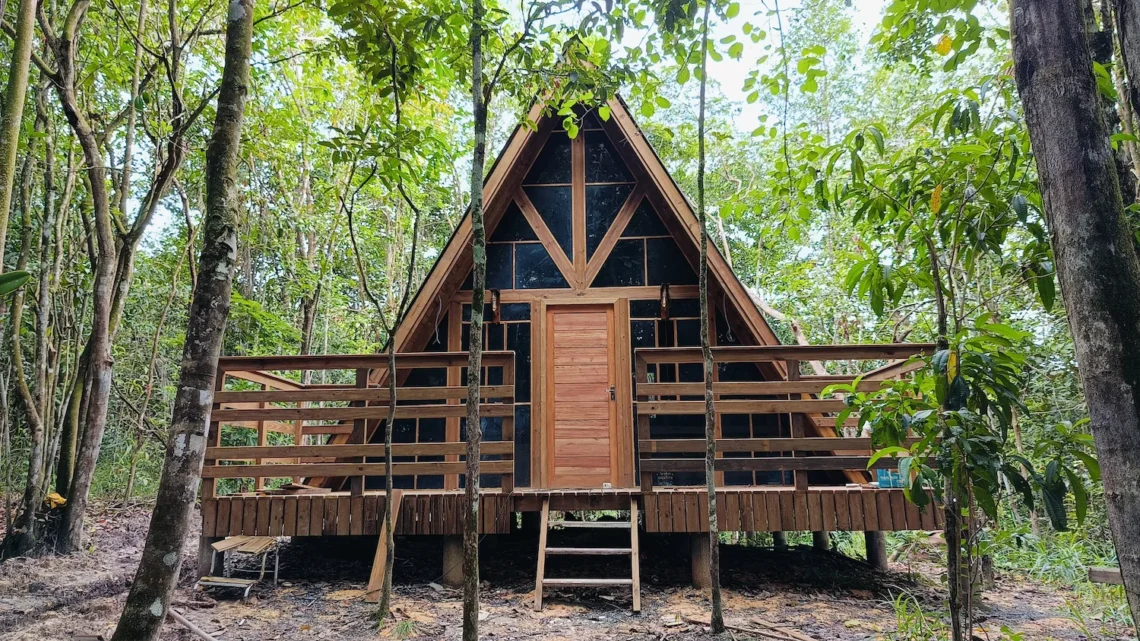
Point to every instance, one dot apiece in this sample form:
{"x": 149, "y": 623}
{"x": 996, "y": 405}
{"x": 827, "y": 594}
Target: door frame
{"x": 621, "y": 426}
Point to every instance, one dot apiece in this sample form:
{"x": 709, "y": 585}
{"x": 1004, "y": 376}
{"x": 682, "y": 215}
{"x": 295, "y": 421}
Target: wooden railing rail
{"x": 797, "y": 398}
{"x": 347, "y": 410}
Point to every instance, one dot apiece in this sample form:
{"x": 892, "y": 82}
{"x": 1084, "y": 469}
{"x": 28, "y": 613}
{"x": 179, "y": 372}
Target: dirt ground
{"x": 820, "y": 595}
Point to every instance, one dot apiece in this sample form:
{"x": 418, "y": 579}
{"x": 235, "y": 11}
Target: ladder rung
{"x": 590, "y": 551}
{"x": 586, "y": 582}
{"x": 591, "y": 524}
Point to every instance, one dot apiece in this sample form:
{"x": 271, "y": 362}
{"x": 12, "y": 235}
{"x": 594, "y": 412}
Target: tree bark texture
{"x": 1097, "y": 267}
{"x": 12, "y": 116}
{"x": 155, "y": 581}
{"x": 716, "y": 616}
{"x": 475, "y": 354}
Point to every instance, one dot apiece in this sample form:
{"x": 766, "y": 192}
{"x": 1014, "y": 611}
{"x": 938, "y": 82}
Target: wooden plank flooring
{"x": 438, "y": 512}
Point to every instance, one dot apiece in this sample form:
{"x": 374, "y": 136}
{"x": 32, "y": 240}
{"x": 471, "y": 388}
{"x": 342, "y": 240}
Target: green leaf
{"x": 604, "y": 113}
{"x": 683, "y": 75}
{"x": 12, "y": 281}
{"x": 1047, "y": 290}
{"x": 736, "y": 49}
{"x": 886, "y": 451}
{"x": 1080, "y": 495}
{"x": 1091, "y": 464}
{"x": 733, "y": 10}
{"x": 662, "y": 102}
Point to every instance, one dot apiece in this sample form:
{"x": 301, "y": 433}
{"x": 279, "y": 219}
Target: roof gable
{"x": 620, "y": 194}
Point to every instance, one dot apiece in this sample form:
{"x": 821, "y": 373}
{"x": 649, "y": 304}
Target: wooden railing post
{"x": 262, "y": 441}
{"x": 508, "y": 483}
{"x": 796, "y": 421}
{"x": 209, "y": 487}
{"x": 360, "y": 430}
{"x": 641, "y": 373}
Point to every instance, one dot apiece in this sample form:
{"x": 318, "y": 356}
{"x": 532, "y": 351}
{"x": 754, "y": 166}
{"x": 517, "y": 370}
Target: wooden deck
{"x": 439, "y": 512}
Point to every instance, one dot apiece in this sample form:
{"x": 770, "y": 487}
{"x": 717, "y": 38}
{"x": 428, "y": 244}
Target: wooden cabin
{"x": 593, "y": 381}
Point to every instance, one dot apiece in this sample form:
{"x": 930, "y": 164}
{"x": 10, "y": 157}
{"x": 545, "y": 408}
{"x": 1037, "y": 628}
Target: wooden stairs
{"x": 634, "y": 580}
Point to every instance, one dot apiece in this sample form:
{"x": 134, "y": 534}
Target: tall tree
{"x": 157, "y": 575}
{"x": 716, "y": 618}
{"x": 11, "y": 118}
{"x": 1097, "y": 266}
{"x": 475, "y": 353}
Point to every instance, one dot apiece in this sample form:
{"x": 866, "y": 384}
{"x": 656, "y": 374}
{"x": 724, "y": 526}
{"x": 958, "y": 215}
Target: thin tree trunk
{"x": 11, "y": 119}
{"x": 100, "y": 360}
{"x": 716, "y": 617}
{"x": 1097, "y": 266}
{"x": 170, "y": 522}
{"x": 475, "y": 360}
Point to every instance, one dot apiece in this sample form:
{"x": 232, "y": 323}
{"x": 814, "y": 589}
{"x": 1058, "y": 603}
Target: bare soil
{"x": 824, "y": 596}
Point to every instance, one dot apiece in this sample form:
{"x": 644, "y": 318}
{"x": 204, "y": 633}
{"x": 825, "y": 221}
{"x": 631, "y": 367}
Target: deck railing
{"x": 785, "y": 392}
{"x": 330, "y": 424}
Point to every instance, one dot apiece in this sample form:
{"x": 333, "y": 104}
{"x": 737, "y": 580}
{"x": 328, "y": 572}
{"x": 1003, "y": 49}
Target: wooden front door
{"x": 581, "y": 411}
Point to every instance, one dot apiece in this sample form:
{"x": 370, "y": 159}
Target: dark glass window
{"x": 688, "y": 333}
{"x": 522, "y": 445}
{"x": 515, "y": 311}
{"x": 554, "y": 205}
{"x": 644, "y": 308}
{"x": 724, "y": 333}
{"x": 603, "y": 165}
{"x": 625, "y": 266}
{"x": 643, "y": 333}
{"x": 512, "y": 226}
{"x": 685, "y": 307}
{"x": 590, "y": 120}
{"x": 645, "y": 222}
{"x": 518, "y": 341}
{"x": 553, "y": 162}
{"x": 437, "y": 342}
{"x": 495, "y": 339}
{"x": 603, "y": 202}
{"x": 534, "y": 269}
{"x": 499, "y": 266}
{"x": 667, "y": 264}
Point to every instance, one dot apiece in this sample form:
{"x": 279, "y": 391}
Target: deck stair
{"x": 634, "y": 581}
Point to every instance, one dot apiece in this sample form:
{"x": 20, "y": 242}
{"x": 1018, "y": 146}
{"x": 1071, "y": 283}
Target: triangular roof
{"x": 501, "y": 187}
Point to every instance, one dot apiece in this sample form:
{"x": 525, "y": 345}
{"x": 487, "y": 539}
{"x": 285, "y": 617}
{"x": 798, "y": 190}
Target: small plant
{"x": 915, "y": 624}
{"x": 405, "y": 629}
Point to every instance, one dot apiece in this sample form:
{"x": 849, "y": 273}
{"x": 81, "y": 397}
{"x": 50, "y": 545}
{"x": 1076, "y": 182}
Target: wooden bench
{"x": 251, "y": 545}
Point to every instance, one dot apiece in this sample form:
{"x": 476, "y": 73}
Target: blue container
{"x": 890, "y": 478}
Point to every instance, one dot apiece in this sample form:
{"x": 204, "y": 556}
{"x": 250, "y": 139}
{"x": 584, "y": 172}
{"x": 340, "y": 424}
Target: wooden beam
{"x": 767, "y": 353}
{"x": 806, "y": 444}
{"x": 1110, "y": 576}
{"x": 741, "y": 407}
{"x": 564, "y": 264}
{"x": 373, "y": 394}
{"x": 613, "y": 234}
{"x": 380, "y": 559}
{"x": 757, "y": 388}
{"x": 349, "y": 469}
{"x": 773, "y": 464}
{"x": 355, "y": 361}
{"x": 244, "y": 452}
{"x": 373, "y": 412}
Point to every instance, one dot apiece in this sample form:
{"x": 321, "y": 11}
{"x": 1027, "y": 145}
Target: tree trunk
{"x": 716, "y": 617}
{"x": 475, "y": 360}
{"x": 11, "y": 119}
{"x": 1097, "y": 267}
{"x": 100, "y": 361}
{"x": 155, "y": 581}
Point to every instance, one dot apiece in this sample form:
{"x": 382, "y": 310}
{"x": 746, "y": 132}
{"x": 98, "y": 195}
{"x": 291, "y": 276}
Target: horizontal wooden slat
{"x": 741, "y": 407}
{"x": 355, "y": 361}
{"x": 349, "y": 469}
{"x": 771, "y": 464}
{"x": 352, "y": 413}
{"x": 377, "y": 394}
{"x": 809, "y": 444}
{"x": 757, "y": 388}
{"x": 317, "y": 430}
{"x": 341, "y": 451}
{"x": 1110, "y": 576}
{"x": 768, "y": 353}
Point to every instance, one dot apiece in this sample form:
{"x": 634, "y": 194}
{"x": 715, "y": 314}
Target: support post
{"x": 876, "y": 549}
{"x": 453, "y": 561}
{"x": 702, "y": 574}
{"x": 821, "y": 541}
{"x": 206, "y": 554}
{"x": 779, "y": 540}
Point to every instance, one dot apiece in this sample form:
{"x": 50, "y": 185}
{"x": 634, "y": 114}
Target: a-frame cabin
{"x": 593, "y": 377}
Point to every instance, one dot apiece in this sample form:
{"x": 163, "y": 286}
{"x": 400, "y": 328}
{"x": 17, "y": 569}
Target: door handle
{"x": 613, "y": 395}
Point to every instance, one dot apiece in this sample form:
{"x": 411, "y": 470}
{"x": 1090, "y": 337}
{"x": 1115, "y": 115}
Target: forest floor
{"x": 821, "y": 595}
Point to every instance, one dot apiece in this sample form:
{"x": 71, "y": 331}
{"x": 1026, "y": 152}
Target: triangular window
{"x": 552, "y": 166}
{"x": 603, "y": 202}
{"x": 644, "y": 222}
{"x": 554, "y": 205}
{"x": 512, "y": 226}
{"x": 603, "y": 165}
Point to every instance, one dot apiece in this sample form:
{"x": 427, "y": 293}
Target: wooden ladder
{"x": 634, "y": 581}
